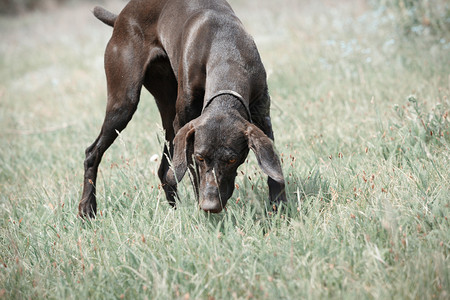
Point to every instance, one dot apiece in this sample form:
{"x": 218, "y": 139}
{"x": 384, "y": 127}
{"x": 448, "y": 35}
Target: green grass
{"x": 361, "y": 117}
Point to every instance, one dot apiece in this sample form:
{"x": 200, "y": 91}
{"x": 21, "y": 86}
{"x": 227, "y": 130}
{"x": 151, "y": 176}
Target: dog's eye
{"x": 199, "y": 157}
{"x": 231, "y": 161}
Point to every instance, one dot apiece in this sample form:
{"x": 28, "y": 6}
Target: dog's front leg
{"x": 169, "y": 189}
{"x": 277, "y": 193}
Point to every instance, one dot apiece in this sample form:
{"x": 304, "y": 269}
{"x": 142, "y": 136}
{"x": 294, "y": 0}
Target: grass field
{"x": 360, "y": 113}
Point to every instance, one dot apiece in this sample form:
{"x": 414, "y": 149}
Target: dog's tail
{"x": 105, "y": 16}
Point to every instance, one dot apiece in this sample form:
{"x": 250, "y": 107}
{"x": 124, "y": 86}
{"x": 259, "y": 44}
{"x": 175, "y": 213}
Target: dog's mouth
{"x": 212, "y": 206}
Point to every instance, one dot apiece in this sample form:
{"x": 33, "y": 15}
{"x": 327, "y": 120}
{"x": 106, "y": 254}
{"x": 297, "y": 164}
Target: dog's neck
{"x": 228, "y": 104}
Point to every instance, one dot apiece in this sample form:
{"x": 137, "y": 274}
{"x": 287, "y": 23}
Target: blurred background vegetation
{"x": 14, "y": 7}
{"x": 409, "y": 16}
{"x": 22, "y": 6}
{"x": 416, "y": 17}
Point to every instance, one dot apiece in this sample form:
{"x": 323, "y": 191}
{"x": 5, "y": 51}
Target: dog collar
{"x": 232, "y": 93}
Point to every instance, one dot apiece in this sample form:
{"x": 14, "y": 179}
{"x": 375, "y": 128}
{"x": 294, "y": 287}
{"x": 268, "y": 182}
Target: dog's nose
{"x": 212, "y": 206}
{"x": 210, "y": 202}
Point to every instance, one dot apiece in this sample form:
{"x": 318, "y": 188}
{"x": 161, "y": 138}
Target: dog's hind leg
{"x": 125, "y": 70}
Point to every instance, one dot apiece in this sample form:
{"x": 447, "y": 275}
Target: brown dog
{"x": 209, "y": 83}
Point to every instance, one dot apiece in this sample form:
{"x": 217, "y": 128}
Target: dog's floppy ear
{"x": 265, "y": 153}
{"x": 183, "y": 145}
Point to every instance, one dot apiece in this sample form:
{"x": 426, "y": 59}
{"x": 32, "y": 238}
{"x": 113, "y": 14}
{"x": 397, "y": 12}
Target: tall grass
{"x": 360, "y": 114}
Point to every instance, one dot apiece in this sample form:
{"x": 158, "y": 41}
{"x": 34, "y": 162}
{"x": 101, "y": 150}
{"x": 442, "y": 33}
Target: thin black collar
{"x": 232, "y": 93}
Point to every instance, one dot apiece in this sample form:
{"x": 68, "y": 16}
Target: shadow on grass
{"x": 309, "y": 194}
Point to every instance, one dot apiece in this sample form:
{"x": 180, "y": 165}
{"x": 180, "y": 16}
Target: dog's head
{"x": 214, "y": 147}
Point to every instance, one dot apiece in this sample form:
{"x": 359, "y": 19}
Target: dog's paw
{"x": 86, "y": 210}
